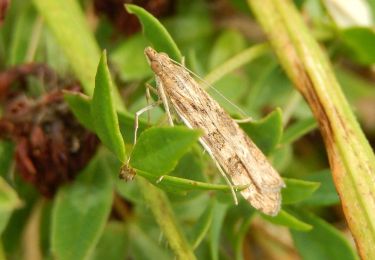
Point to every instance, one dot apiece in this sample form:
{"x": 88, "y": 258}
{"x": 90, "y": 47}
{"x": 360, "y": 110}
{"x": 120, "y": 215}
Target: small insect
{"x": 232, "y": 150}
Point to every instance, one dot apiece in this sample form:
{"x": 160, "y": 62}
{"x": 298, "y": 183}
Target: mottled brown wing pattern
{"x": 243, "y": 162}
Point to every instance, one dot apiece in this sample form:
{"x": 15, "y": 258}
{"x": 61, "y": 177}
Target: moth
{"x": 229, "y": 146}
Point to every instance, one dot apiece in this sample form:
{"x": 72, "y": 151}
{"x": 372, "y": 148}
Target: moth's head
{"x": 155, "y": 59}
{"x": 150, "y": 54}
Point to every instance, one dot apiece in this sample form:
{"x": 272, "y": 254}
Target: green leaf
{"x": 298, "y": 129}
{"x": 80, "y": 212}
{"x": 265, "y": 133}
{"x": 103, "y": 111}
{"x": 361, "y": 41}
{"x": 158, "y": 149}
{"x": 155, "y": 32}
{"x": 286, "y": 219}
{"x": 191, "y": 165}
{"x": 129, "y": 60}
{"x": 202, "y": 227}
{"x": 323, "y": 242}
{"x": 326, "y": 195}
{"x": 80, "y": 105}
{"x": 297, "y": 190}
{"x": 113, "y": 244}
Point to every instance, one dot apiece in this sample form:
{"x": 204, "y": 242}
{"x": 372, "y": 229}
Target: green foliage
{"x": 266, "y": 132}
{"x": 81, "y": 211}
{"x": 298, "y": 190}
{"x": 322, "y": 242}
{"x": 158, "y": 149}
{"x": 326, "y": 194}
{"x": 103, "y": 111}
{"x": 155, "y": 32}
{"x": 360, "y": 40}
{"x": 286, "y": 219}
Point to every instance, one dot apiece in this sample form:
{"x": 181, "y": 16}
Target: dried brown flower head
{"x": 51, "y": 146}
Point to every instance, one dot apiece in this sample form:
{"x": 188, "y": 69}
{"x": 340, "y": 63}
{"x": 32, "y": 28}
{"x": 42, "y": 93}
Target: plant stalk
{"x": 350, "y": 155}
{"x": 164, "y": 216}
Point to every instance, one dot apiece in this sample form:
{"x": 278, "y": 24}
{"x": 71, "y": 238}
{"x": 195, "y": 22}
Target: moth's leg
{"x": 160, "y": 179}
{"x": 226, "y": 180}
{"x": 165, "y": 101}
{"x": 150, "y": 87}
{"x": 148, "y": 100}
{"x": 140, "y": 112}
{"x": 183, "y": 61}
{"x": 207, "y": 148}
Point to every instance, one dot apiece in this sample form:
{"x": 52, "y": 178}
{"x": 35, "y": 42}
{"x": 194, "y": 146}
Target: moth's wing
{"x": 264, "y": 176}
{"x": 267, "y": 202}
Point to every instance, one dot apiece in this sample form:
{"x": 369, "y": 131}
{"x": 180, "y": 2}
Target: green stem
{"x": 172, "y": 181}
{"x": 164, "y": 216}
{"x": 350, "y": 155}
